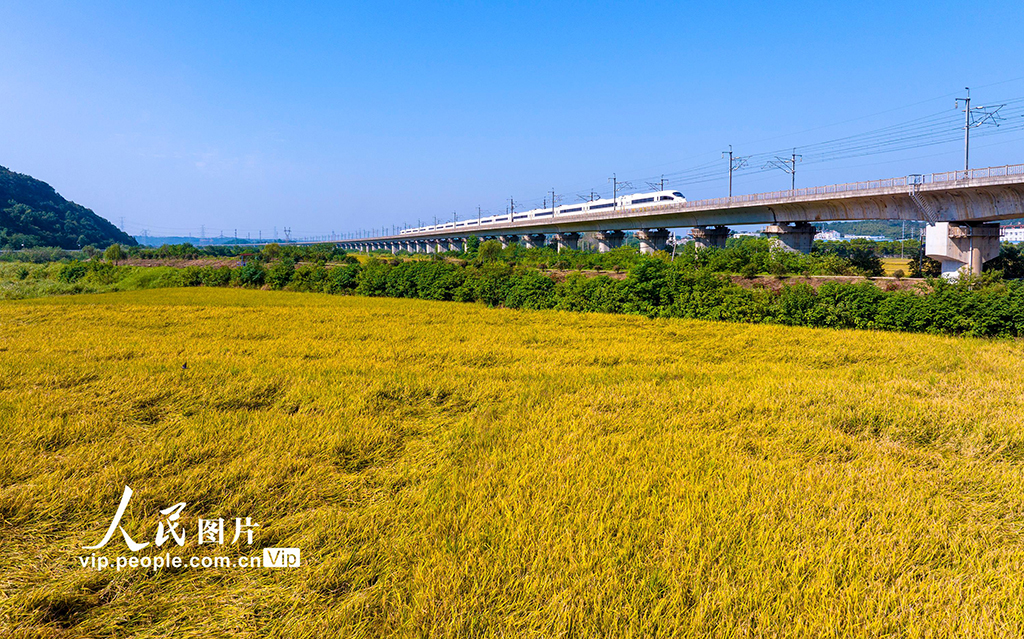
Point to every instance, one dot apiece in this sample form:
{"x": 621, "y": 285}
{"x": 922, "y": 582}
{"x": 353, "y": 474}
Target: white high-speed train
{"x": 624, "y": 203}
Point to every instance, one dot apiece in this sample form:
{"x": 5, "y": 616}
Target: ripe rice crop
{"x": 452, "y": 470}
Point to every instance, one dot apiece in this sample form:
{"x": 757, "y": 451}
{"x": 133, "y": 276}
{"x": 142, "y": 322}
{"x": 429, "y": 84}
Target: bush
{"x": 310, "y": 278}
{"x": 71, "y": 272}
{"x": 489, "y": 251}
{"x": 213, "y": 276}
{"x": 252, "y": 275}
{"x": 529, "y": 289}
{"x": 281, "y": 273}
{"x": 190, "y": 276}
{"x": 342, "y": 279}
{"x": 114, "y": 253}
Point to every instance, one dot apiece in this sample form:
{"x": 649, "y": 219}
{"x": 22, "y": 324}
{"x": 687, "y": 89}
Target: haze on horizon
{"x": 336, "y": 116}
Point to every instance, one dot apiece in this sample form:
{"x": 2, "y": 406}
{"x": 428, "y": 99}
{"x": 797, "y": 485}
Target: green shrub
{"x": 310, "y": 278}
{"x": 71, "y": 272}
{"x": 216, "y": 276}
{"x": 341, "y": 279}
{"x": 281, "y": 273}
{"x": 190, "y": 276}
{"x": 252, "y": 275}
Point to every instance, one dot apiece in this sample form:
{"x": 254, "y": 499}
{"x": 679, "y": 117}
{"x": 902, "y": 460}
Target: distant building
{"x": 832, "y": 235}
{"x": 829, "y": 236}
{"x": 1013, "y": 234}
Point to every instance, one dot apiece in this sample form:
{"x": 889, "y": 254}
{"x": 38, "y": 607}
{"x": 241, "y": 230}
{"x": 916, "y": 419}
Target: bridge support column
{"x": 652, "y": 240}
{"x": 710, "y": 236}
{"x": 456, "y": 244}
{"x": 569, "y": 241}
{"x": 507, "y": 239}
{"x": 795, "y": 236}
{"x": 608, "y": 240}
{"x": 961, "y": 246}
{"x": 440, "y": 246}
{"x": 394, "y": 247}
{"x": 534, "y": 240}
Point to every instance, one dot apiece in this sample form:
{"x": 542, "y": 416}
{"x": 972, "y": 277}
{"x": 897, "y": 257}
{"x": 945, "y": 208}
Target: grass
{"x": 452, "y": 470}
{"x": 21, "y": 280}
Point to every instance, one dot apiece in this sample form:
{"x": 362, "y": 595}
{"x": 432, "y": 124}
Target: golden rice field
{"x": 893, "y": 264}
{"x": 456, "y": 471}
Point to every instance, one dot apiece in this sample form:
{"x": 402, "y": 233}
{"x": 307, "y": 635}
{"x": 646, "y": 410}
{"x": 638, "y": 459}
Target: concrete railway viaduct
{"x": 962, "y": 209}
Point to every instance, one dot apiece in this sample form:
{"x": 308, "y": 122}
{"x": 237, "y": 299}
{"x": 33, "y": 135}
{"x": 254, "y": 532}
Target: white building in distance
{"x": 1014, "y": 234}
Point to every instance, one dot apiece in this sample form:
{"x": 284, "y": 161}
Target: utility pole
{"x": 985, "y": 114}
{"x": 478, "y": 214}
{"x": 967, "y": 129}
{"x": 512, "y": 208}
{"x": 659, "y": 185}
{"x": 792, "y": 173}
{"x": 552, "y": 199}
{"x": 903, "y": 236}
{"x": 615, "y": 192}
{"x": 734, "y": 165}
{"x": 785, "y": 164}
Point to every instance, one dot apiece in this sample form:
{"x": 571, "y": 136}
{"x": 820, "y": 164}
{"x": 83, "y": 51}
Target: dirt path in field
{"x": 773, "y": 282}
{"x": 776, "y": 283}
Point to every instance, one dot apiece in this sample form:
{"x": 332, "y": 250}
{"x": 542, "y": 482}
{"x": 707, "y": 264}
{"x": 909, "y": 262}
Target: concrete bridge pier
{"x": 961, "y": 246}
{"x": 457, "y": 244}
{"x": 569, "y": 241}
{"x": 795, "y": 236}
{"x": 507, "y": 239}
{"x": 608, "y": 240}
{"x": 652, "y": 240}
{"x": 394, "y": 247}
{"x": 440, "y": 246}
{"x": 710, "y": 236}
{"x": 534, "y": 240}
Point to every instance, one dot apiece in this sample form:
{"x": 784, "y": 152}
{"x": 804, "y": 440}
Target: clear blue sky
{"x": 332, "y": 116}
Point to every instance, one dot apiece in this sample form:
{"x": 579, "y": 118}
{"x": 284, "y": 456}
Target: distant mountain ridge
{"x": 33, "y": 214}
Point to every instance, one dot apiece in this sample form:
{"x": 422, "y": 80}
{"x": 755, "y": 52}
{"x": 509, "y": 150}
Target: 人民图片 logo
{"x": 206, "y": 532}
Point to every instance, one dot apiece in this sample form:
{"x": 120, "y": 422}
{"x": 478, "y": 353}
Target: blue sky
{"x": 336, "y": 116}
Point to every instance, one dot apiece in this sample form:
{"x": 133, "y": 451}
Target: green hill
{"x": 33, "y": 214}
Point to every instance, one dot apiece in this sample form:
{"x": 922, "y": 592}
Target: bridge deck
{"x": 978, "y": 195}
